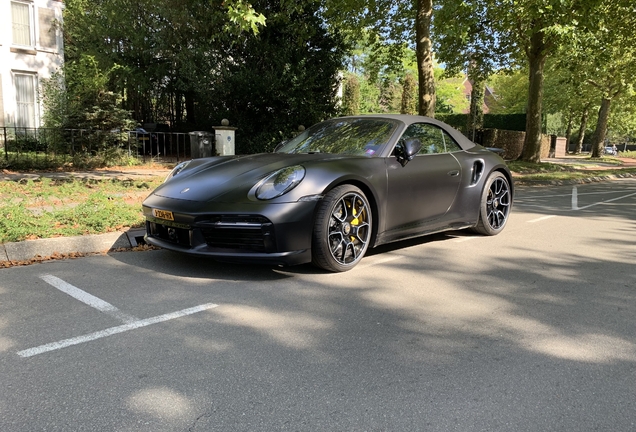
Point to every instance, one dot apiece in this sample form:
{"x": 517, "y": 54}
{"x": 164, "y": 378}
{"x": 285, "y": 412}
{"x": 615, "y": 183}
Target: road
{"x": 530, "y": 330}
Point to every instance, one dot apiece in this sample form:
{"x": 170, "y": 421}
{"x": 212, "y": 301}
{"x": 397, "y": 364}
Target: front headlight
{"x": 280, "y": 182}
{"x": 176, "y": 170}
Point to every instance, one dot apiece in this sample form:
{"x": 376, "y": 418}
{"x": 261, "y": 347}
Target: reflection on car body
{"x": 329, "y": 194}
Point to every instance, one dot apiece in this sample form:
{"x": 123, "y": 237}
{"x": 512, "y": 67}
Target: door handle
{"x": 453, "y": 173}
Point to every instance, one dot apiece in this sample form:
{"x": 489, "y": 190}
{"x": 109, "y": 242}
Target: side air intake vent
{"x": 477, "y": 172}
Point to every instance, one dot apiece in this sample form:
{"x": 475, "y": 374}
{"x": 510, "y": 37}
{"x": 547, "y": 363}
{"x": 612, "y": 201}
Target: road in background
{"x": 530, "y": 330}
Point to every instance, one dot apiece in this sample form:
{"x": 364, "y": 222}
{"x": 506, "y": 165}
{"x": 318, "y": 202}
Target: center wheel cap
{"x": 346, "y": 228}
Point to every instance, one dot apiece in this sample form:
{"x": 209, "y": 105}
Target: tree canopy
{"x": 272, "y": 65}
{"x": 268, "y": 65}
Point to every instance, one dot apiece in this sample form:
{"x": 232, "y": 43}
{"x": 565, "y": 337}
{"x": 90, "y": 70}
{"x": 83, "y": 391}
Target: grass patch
{"x": 546, "y": 172}
{"x": 521, "y": 167}
{"x": 52, "y": 208}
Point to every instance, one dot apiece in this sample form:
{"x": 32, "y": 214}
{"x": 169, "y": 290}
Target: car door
{"x": 420, "y": 193}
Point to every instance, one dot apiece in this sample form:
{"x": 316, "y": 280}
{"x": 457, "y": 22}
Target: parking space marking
{"x": 542, "y": 218}
{"x": 88, "y": 299}
{"x": 606, "y": 201}
{"x": 575, "y": 198}
{"x": 465, "y": 239}
{"x": 113, "y": 330}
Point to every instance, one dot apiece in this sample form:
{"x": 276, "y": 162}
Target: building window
{"x": 21, "y": 15}
{"x": 25, "y": 99}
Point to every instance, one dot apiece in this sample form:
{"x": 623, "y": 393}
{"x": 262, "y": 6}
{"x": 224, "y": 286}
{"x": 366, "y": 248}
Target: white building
{"x": 31, "y": 49}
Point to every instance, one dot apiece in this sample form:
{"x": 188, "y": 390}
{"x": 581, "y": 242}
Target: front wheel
{"x": 496, "y": 201}
{"x": 342, "y": 229}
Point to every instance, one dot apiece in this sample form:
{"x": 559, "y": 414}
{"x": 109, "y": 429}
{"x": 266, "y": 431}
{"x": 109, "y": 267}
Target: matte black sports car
{"x": 330, "y": 193}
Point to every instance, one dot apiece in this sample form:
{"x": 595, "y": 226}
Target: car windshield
{"x": 351, "y": 136}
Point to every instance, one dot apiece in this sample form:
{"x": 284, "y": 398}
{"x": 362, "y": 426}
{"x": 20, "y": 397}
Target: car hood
{"x": 228, "y": 178}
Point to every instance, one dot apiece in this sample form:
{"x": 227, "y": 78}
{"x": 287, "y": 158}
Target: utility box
{"x": 201, "y": 144}
{"x": 224, "y": 136}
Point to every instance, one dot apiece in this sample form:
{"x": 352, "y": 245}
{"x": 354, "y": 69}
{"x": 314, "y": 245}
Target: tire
{"x": 342, "y": 229}
{"x": 496, "y": 201}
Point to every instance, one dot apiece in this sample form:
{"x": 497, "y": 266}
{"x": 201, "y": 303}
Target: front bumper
{"x": 266, "y": 233}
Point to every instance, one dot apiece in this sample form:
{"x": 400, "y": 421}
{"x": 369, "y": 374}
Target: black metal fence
{"x": 18, "y": 143}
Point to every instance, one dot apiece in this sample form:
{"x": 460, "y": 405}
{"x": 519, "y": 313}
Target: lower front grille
{"x": 238, "y": 232}
{"x": 248, "y": 239}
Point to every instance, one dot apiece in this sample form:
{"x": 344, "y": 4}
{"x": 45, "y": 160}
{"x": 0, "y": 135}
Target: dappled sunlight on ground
{"x": 590, "y": 348}
{"x": 295, "y": 330}
{"x": 160, "y": 402}
{"x": 525, "y": 313}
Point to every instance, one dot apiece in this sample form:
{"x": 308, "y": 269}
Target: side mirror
{"x": 407, "y": 149}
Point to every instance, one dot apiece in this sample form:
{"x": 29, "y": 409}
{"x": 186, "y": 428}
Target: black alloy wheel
{"x": 496, "y": 201}
{"x": 342, "y": 229}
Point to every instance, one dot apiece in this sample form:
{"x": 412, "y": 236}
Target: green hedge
{"x": 458, "y": 121}
{"x": 511, "y": 122}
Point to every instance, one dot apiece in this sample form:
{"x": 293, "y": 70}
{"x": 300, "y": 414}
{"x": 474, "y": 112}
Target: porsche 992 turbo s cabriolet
{"x": 327, "y": 195}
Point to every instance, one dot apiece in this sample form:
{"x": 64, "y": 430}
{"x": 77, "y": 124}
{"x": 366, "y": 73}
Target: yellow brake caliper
{"x": 355, "y": 222}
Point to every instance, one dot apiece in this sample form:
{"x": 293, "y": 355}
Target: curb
{"x": 62, "y": 247}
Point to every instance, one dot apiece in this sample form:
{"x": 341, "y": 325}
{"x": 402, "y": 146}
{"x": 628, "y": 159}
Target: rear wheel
{"x": 342, "y": 229}
{"x": 496, "y": 201}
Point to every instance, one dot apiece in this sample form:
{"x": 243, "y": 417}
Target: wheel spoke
{"x": 340, "y": 211}
{"x": 496, "y": 218}
{"x": 354, "y": 250}
{"x": 337, "y": 247}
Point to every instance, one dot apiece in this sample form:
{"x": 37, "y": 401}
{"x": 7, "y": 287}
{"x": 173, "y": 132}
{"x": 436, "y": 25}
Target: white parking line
{"x": 465, "y": 239}
{"x": 606, "y": 201}
{"x": 88, "y": 299}
{"x": 575, "y": 198}
{"x": 541, "y": 219}
{"x": 113, "y": 330}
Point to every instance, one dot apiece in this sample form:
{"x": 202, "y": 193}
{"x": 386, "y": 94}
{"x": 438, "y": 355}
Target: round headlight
{"x": 280, "y": 182}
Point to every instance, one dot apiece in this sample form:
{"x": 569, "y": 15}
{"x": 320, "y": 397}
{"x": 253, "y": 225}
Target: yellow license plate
{"x": 163, "y": 214}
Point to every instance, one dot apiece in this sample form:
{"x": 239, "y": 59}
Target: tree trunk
{"x": 598, "y": 139}
{"x": 568, "y": 131}
{"x": 536, "y": 59}
{"x": 426, "y": 78}
{"x": 178, "y": 108}
{"x": 476, "y": 115}
{"x": 582, "y": 128}
{"x": 189, "y": 106}
{"x": 408, "y": 105}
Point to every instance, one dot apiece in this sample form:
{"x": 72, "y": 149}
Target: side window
{"x": 451, "y": 144}
{"x": 434, "y": 139}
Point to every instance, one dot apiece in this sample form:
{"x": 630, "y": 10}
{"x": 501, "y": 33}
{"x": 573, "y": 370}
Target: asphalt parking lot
{"x": 530, "y": 330}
